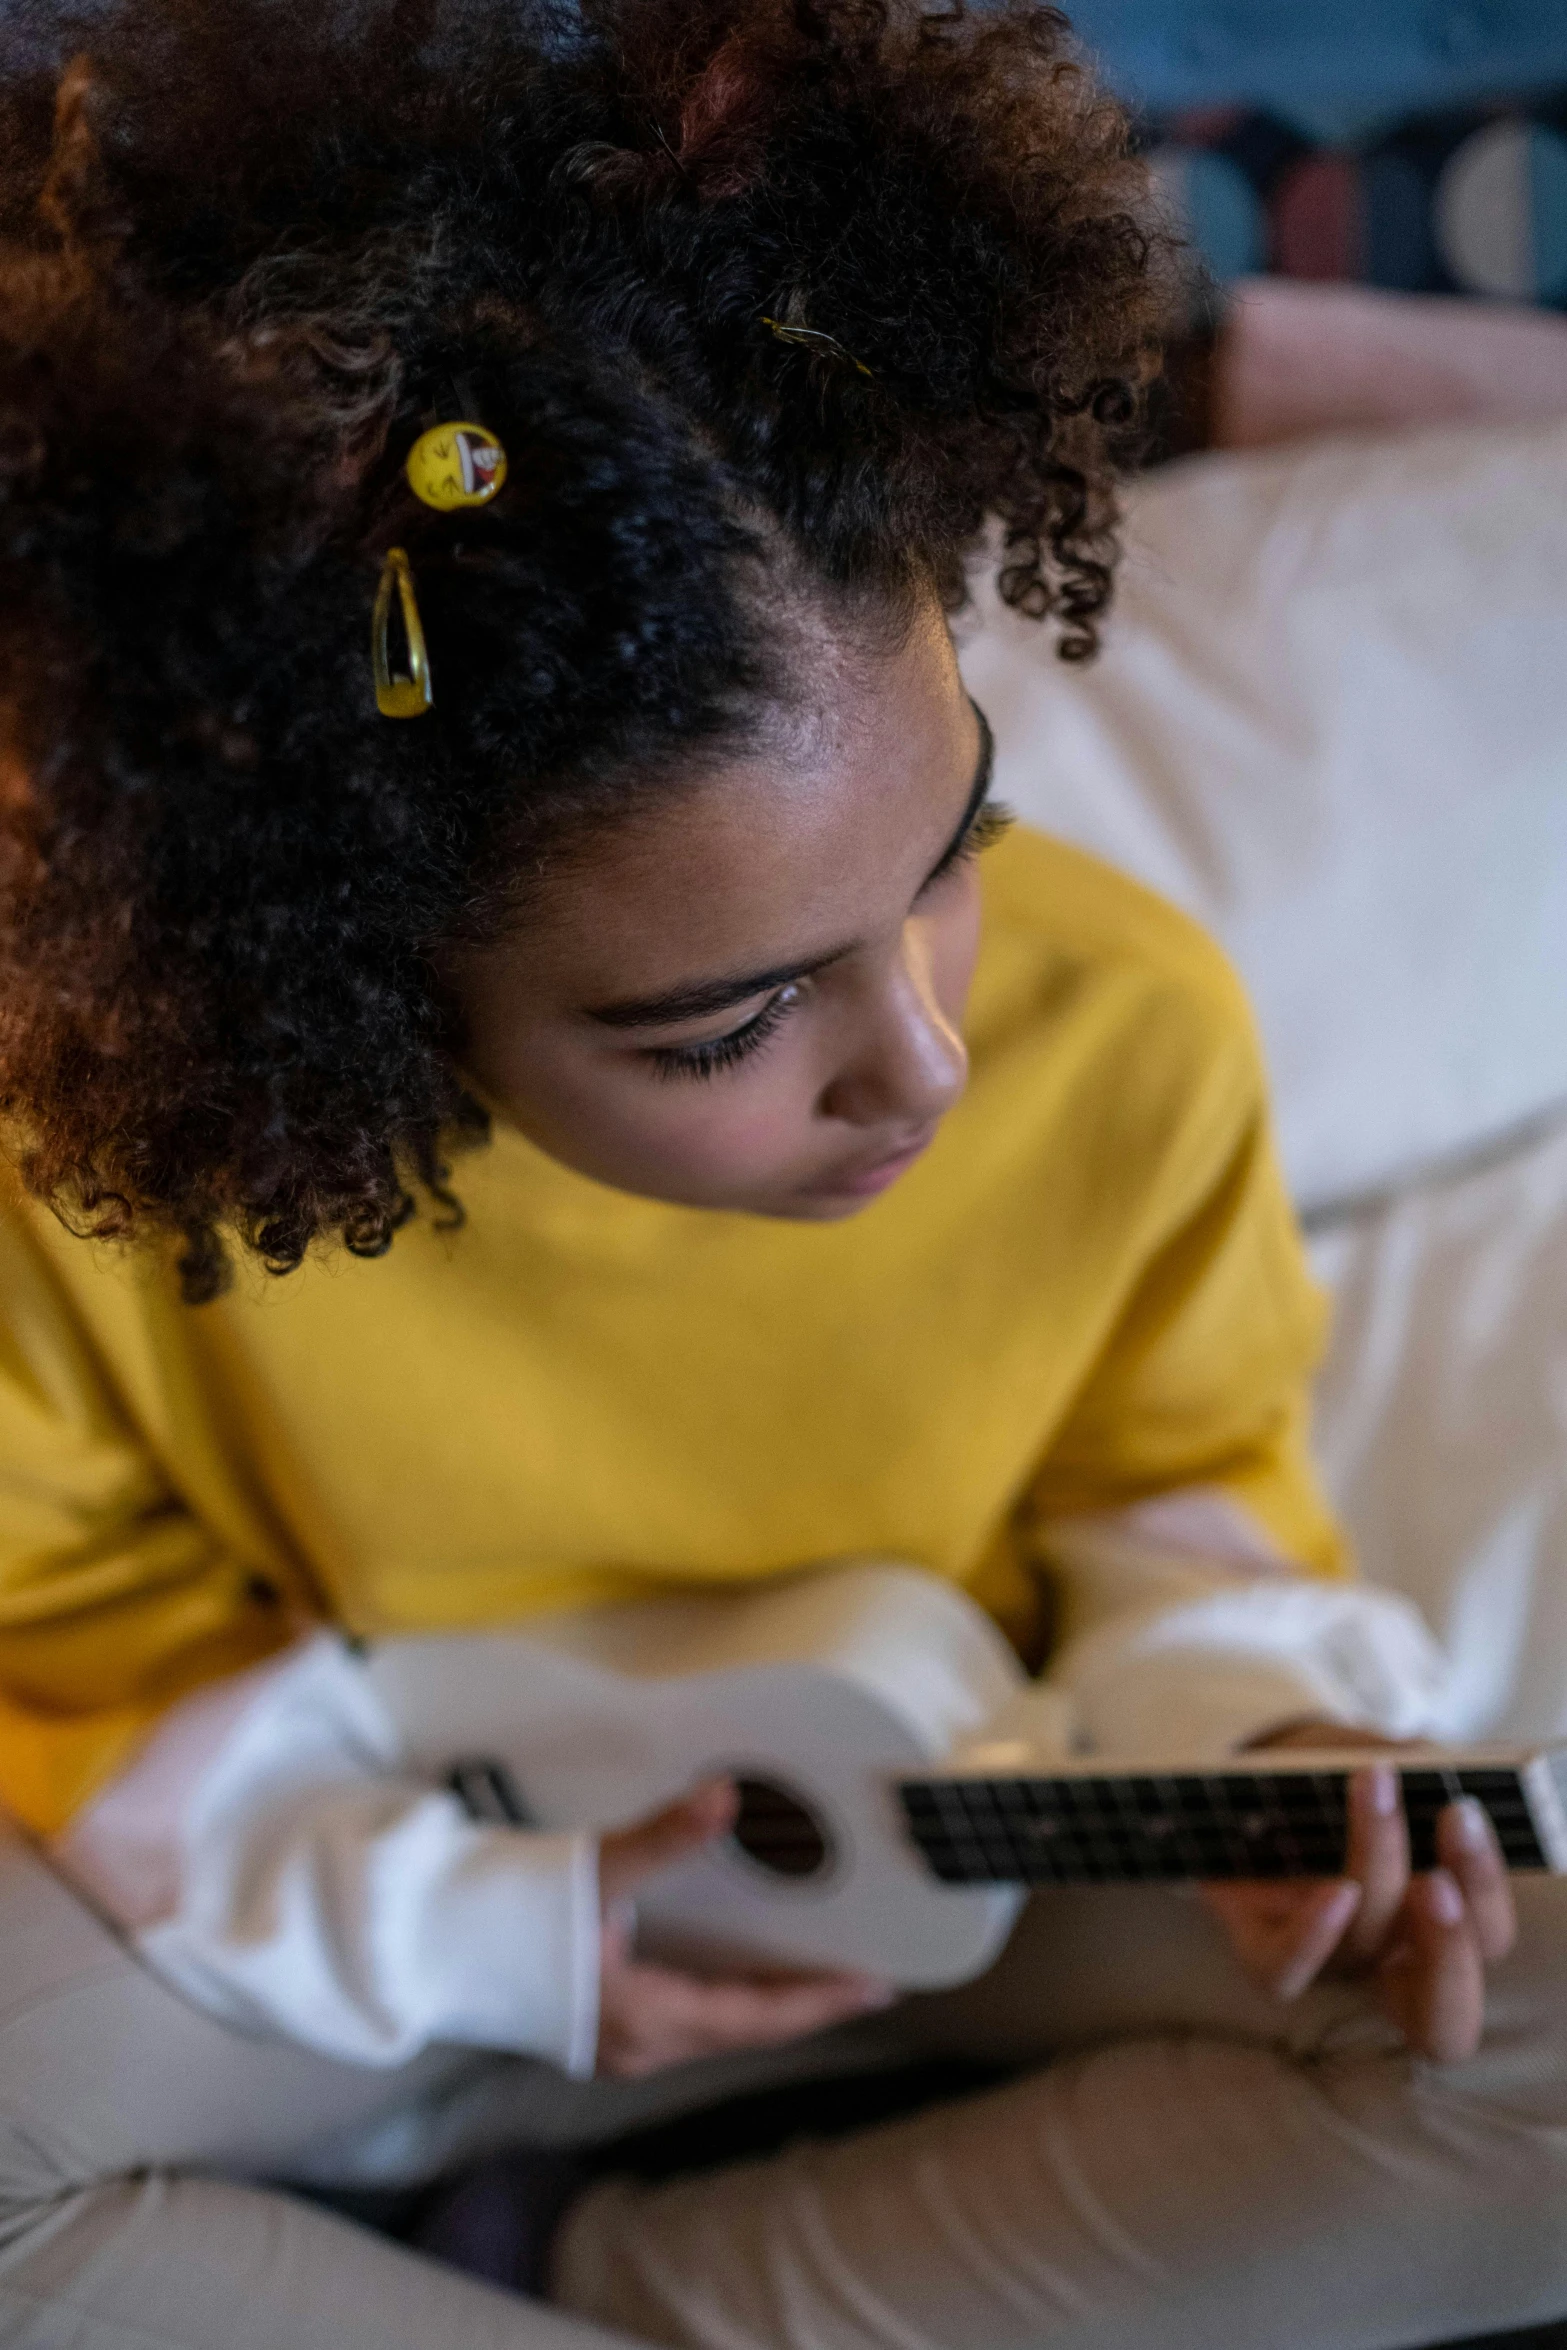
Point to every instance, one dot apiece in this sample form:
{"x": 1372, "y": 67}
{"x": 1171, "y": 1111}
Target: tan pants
{"x": 1191, "y": 2167}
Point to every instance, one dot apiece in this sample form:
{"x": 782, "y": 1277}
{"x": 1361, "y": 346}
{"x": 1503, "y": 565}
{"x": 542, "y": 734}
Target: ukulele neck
{"x": 1093, "y": 1825}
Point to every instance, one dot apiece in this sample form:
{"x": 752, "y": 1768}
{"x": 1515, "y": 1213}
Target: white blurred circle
{"x": 1501, "y": 211}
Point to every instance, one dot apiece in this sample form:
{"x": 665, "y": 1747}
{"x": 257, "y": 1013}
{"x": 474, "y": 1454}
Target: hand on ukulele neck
{"x": 1423, "y": 1942}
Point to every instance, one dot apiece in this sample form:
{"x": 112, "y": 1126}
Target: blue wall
{"x": 1349, "y": 58}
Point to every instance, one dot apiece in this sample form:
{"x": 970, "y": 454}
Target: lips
{"x": 872, "y": 1176}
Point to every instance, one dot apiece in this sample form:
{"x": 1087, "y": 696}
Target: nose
{"x": 906, "y": 1064}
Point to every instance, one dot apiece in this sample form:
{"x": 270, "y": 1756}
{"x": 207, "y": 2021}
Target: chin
{"x": 831, "y": 1208}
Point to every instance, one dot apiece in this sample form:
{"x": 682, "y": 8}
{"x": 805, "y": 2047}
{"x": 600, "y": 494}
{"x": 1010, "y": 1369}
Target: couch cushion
{"x": 1331, "y": 721}
{"x": 1442, "y": 1421}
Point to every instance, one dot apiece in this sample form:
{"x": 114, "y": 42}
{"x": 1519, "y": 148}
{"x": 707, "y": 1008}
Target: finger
{"x": 629, "y": 1855}
{"x": 1320, "y": 1926}
{"x": 1433, "y": 1979}
{"x": 1283, "y": 1933}
{"x": 1466, "y": 1845}
{"x": 1376, "y": 1858}
{"x": 656, "y": 2017}
{"x": 707, "y": 2018}
{"x": 749, "y": 2015}
{"x": 1259, "y": 1920}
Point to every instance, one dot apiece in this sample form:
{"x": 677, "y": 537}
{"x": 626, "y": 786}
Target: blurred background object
{"x": 1375, "y": 201}
{"x": 1419, "y": 145}
{"x": 1343, "y": 60}
{"x": 1468, "y": 201}
{"x": 1287, "y": 359}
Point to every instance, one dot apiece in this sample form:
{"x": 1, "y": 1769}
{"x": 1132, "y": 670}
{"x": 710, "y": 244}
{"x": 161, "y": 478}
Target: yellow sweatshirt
{"x": 1090, "y": 1291}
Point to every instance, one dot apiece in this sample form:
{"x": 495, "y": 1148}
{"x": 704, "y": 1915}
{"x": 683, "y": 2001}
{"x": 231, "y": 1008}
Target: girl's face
{"x": 750, "y": 996}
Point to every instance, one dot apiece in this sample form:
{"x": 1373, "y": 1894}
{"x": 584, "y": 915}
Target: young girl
{"x": 522, "y": 1096}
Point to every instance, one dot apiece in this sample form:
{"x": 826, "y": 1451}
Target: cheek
{"x": 952, "y": 941}
{"x": 706, "y": 1141}
{"x": 718, "y": 1130}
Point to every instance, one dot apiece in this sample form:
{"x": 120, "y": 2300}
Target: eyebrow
{"x": 703, "y": 997}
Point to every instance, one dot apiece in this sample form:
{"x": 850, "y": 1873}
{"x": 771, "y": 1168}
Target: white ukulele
{"x": 901, "y": 1780}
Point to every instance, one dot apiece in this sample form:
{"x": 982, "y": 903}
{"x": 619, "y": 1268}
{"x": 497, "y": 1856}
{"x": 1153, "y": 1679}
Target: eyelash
{"x": 991, "y": 819}
{"x": 722, "y": 1052}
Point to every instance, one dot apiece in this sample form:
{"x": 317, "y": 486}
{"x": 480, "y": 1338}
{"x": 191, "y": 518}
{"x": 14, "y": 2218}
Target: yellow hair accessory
{"x": 811, "y": 338}
{"x": 455, "y": 465}
{"x": 407, "y": 696}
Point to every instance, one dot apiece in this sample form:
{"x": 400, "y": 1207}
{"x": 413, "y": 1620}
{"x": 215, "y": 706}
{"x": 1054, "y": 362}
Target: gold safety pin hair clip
{"x": 814, "y": 339}
{"x": 407, "y": 695}
{"x": 450, "y": 466}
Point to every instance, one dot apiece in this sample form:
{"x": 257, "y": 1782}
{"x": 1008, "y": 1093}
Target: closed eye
{"x": 723, "y": 1052}
{"x": 990, "y": 820}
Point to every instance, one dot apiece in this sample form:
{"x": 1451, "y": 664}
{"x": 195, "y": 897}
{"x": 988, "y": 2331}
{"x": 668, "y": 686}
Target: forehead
{"x": 771, "y": 858}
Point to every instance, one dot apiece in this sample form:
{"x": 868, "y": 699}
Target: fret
{"x": 1085, "y": 1825}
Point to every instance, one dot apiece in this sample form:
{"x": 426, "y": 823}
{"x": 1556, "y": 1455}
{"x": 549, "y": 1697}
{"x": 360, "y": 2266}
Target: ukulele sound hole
{"x": 775, "y": 1829}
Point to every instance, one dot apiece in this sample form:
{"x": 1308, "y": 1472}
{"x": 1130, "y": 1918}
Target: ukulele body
{"x": 818, "y": 1693}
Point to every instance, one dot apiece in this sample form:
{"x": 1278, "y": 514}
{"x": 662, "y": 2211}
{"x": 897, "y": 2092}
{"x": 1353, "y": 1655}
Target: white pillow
{"x": 1331, "y": 721}
{"x": 1442, "y": 1422}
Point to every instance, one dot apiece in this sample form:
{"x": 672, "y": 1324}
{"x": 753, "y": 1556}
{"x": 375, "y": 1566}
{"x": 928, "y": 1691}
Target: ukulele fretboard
{"x": 1135, "y": 1827}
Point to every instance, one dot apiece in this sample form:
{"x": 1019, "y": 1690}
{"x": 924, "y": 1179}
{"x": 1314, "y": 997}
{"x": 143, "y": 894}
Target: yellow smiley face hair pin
{"x": 456, "y": 465}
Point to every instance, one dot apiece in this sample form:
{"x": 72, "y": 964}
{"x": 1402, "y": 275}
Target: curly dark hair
{"x": 244, "y": 254}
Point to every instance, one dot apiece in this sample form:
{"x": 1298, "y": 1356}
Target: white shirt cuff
{"x": 500, "y": 1948}
{"x": 386, "y": 1921}
{"x": 1200, "y": 1680}
{"x": 268, "y": 1855}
